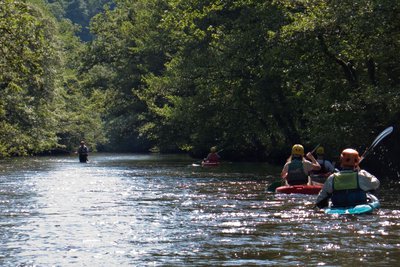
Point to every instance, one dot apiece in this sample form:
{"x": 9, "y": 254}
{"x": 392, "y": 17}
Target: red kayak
{"x": 299, "y": 189}
{"x": 209, "y": 163}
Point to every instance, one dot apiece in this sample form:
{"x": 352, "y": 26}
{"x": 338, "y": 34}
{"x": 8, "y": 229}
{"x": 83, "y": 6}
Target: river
{"x": 160, "y": 210}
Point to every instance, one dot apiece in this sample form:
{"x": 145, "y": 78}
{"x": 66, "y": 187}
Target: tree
{"x": 38, "y": 55}
{"x": 28, "y": 60}
{"x": 348, "y": 46}
{"x": 80, "y": 12}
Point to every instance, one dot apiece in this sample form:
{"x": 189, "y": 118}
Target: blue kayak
{"x": 358, "y": 209}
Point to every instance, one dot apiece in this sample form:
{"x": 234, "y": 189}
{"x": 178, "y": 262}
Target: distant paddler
{"x": 83, "y": 152}
{"x": 327, "y": 168}
{"x": 212, "y": 158}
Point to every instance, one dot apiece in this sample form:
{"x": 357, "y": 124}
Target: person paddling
{"x": 327, "y": 168}
{"x": 297, "y": 168}
{"x": 213, "y": 156}
{"x": 348, "y": 187}
{"x": 83, "y": 152}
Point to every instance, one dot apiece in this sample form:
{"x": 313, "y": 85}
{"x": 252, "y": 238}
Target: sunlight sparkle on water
{"x": 331, "y": 246}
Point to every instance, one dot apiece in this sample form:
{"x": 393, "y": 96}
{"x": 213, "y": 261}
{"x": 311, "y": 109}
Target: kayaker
{"x": 348, "y": 187}
{"x": 297, "y": 169}
{"x": 327, "y": 167}
{"x": 213, "y": 156}
{"x": 83, "y": 152}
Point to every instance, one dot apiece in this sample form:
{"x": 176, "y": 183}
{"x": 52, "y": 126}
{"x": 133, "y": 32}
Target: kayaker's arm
{"x": 325, "y": 194}
{"x": 284, "y": 171}
{"x": 368, "y": 181}
{"x": 314, "y": 162}
{"x": 323, "y": 203}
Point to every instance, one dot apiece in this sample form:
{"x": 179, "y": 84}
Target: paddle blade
{"x": 379, "y": 138}
{"x": 382, "y": 135}
{"x": 272, "y": 187}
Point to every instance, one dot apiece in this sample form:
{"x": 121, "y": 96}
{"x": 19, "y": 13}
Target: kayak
{"x": 299, "y": 189}
{"x": 209, "y": 163}
{"x": 373, "y": 203}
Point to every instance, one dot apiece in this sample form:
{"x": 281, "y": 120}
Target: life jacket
{"x": 346, "y": 190}
{"x": 296, "y": 175}
{"x": 213, "y": 157}
{"x": 323, "y": 169}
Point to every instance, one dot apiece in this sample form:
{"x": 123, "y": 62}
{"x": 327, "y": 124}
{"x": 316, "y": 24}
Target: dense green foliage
{"x": 38, "y": 108}
{"x": 252, "y": 77}
{"x": 79, "y": 12}
{"x": 27, "y": 58}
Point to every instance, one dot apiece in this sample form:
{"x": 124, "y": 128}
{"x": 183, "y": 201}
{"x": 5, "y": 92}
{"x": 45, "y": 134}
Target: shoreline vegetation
{"x": 250, "y": 77}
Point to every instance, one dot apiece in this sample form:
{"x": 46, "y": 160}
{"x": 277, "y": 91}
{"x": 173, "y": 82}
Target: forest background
{"x": 252, "y": 77}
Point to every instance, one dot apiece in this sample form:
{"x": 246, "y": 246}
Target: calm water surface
{"x": 152, "y": 210}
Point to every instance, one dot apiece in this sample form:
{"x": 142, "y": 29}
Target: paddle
{"x": 379, "y": 138}
{"x": 315, "y": 148}
{"x": 272, "y": 187}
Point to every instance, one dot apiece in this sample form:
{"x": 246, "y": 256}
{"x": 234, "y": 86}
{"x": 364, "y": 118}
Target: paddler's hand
{"x": 322, "y": 203}
{"x": 315, "y": 163}
{"x": 310, "y": 156}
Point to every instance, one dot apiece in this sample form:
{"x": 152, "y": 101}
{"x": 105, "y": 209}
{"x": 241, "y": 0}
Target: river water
{"x": 160, "y": 210}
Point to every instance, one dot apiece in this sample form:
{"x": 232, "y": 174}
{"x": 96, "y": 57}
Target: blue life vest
{"x": 346, "y": 190}
{"x": 296, "y": 175}
{"x": 323, "y": 169}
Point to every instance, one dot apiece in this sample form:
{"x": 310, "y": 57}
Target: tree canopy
{"x": 252, "y": 77}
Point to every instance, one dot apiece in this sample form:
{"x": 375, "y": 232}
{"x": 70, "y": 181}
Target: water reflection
{"x": 141, "y": 210}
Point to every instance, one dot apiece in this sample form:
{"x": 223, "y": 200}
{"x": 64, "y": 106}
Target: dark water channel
{"x": 152, "y": 210}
